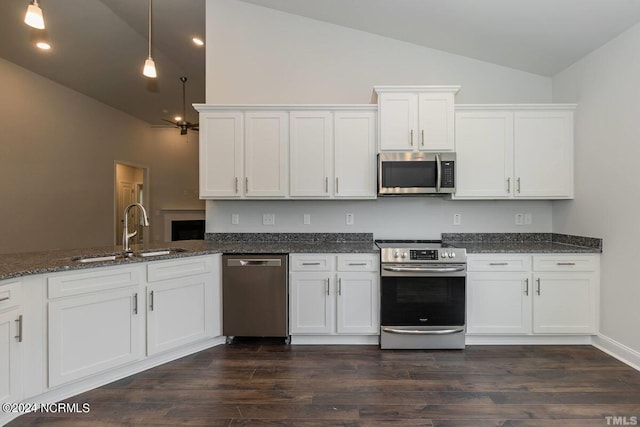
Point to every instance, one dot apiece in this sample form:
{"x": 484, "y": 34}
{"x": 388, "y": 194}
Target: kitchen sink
{"x": 120, "y": 256}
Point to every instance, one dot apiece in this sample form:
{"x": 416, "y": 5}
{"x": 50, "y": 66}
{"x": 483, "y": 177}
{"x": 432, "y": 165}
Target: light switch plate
{"x": 528, "y": 219}
{"x": 457, "y": 219}
{"x": 307, "y": 219}
{"x": 349, "y": 219}
{"x": 235, "y": 219}
{"x": 519, "y": 219}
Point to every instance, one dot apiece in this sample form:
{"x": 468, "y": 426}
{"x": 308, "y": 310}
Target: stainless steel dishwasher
{"x": 255, "y": 296}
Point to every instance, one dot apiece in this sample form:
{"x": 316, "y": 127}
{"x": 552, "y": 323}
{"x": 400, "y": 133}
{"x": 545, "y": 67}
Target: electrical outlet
{"x": 268, "y": 219}
{"x": 457, "y": 219}
{"x": 235, "y": 219}
{"x": 349, "y": 219}
{"x": 528, "y": 219}
{"x": 307, "y": 219}
{"x": 519, "y": 219}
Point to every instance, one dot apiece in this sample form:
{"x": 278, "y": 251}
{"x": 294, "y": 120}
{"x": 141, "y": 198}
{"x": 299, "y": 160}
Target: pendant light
{"x": 149, "y": 69}
{"x": 33, "y": 17}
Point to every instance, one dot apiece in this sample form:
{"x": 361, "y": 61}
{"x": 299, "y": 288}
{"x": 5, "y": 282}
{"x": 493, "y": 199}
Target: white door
{"x": 543, "y": 154}
{"x": 484, "y": 154}
{"x": 355, "y": 154}
{"x": 499, "y": 303}
{"x": 125, "y": 198}
{"x": 93, "y": 333}
{"x": 436, "y": 121}
{"x": 266, "y": 140}
{"x": 311, "y": 140}
{"x": 221, "y": 153}
{"x": 311, "y": 303}
{"x": 398, "y": 117}
{"x": 179, "y": 312}
{"x": 564, "y": 303}
{"x": 358, "y": 303}
{"x": 10, "y": 357}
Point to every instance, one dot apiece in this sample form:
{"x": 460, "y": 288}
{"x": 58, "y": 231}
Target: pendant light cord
{"x": 150, "y": 28}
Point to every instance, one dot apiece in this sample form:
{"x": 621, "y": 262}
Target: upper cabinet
{"x": 416, "y": 118}
{"x": 301, "y": 152}
{"x": 514, "y": 151}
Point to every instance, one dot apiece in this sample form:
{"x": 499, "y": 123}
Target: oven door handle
{"x": 424, "y": 270}
{"x": 419, "y": 332}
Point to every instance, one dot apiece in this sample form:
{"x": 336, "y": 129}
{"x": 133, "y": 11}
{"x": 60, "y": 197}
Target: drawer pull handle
{"x": 498, "y": 263}
{"x": 357, "y": 263}
{"x": 19, "y": 322}
{"x": 310, "y": 263}
{"x": 4, "y": 299}
{"x": 565, "y": 263}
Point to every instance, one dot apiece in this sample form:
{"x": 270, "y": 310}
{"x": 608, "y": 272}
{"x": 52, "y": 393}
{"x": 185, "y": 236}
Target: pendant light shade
{"x": 33, "y": 17}
{"x": 149, "y": 69}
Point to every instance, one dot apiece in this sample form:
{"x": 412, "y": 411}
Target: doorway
{"x": 131, "y": 187}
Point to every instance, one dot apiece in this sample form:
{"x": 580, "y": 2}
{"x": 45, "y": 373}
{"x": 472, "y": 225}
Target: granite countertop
{"x": 29, "y": 263}
{"x": 522, "y": 243}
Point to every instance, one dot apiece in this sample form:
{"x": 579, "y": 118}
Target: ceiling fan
{"x": 181, "y": 122}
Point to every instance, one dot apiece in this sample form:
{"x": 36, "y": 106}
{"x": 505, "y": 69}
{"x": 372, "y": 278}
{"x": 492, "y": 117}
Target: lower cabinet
{"x": 334, "y": 294}
{"x": 539, "y": 294}
{"x": 10, "y": 355}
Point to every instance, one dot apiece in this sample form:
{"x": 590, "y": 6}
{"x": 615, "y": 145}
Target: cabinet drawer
{"x": 565, "y": 263}
{"x": 357, "y": 262}
{"x": 10, "y": 295}
{"x": 183, "y": 267}
{"x": 497, "y": 262}
{"x": 100, "y": 279}
{"x": 311, "y": 262}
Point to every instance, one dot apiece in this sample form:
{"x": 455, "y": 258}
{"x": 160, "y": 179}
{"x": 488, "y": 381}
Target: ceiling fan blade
{"x": 169, "y": 121}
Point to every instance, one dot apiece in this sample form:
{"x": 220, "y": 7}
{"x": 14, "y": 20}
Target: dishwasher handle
{"x": 254, "y": 262}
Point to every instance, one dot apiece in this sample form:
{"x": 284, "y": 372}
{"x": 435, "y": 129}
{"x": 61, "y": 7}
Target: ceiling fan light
{"x": 43, "y": 45}
{"x": 149, "y": 69}
{"x": 177, "y": 118}
{"x": 197, "y": 41}
{"x": 33, "y": 17}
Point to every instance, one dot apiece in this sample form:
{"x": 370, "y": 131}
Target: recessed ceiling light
{"x": 43, "y": 45}
{"x": 197, "y": 41}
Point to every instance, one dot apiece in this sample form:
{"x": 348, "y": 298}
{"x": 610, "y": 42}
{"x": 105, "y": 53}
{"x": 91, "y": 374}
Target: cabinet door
{"x": 93, "y": 333}
{"x": 355, "y": 154}
{"x": 180, "y": 311}
{"x": 358, "y": 303}
{"x": 543, "y": 154}
{"x": 398, "y": 117}
{"x": 221, "y": 146}
{"x": 10, "y": 357}
{"x": 498, "y": 303}
{"x": 311, "y": 140}
{"x": 564, "y": 303}
{"x": 436, "y": 122}
{"x": 311, "y": 303}
{"x": 266, "y": 140}
{"x": 484, "y": 154}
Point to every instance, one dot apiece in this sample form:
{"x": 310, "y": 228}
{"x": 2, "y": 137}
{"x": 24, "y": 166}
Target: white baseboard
{"x": 335, "y": 339}
{"x": 620, "y": 351}
{"x": 528, "y": 339}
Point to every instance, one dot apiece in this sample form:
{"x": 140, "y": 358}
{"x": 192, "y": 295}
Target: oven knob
{"x": 404, "y": 254}
{"x": 444, "y": 255}
{"x": 396, "y": 254}
{"x": 452, "y": 255}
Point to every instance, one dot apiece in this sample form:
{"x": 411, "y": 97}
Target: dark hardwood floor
{"x": 269, "y": 383}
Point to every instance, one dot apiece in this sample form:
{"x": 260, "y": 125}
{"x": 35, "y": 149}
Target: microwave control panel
{"x": 448, "y": 174}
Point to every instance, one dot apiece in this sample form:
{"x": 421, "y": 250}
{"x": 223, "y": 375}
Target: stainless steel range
{"x": 422, "y": 302}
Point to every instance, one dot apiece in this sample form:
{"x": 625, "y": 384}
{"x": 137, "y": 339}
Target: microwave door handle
{"x": 438, "y": 173}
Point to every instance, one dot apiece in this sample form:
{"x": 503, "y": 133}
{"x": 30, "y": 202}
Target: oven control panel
{"x": 407, "y": 255}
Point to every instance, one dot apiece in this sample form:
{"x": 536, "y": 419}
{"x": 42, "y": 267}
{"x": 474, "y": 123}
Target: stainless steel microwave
{"x": 410, "y": 174}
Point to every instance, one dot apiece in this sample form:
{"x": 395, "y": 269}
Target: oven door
{"x": 432, "y": 296}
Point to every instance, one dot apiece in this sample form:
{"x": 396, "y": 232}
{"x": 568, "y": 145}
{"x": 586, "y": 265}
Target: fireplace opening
{"x": 192, "y": 229}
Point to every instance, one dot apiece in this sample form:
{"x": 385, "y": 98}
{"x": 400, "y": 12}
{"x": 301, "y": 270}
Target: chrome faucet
{"x": 126, "y": 236}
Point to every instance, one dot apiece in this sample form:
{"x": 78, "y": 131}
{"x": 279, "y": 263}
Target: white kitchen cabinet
{"x": 311, "y": 147}
{"x": 10, "y": 354}
{"x": 514, "y": 151}
{"x": 416, "y": 118}
{"x": 355, "y": 154}
{"x": 185, "y": 306}
{"x": 524, "y": 294}
{"x": 94, "y": 332}
{"x": 330, "y": 300}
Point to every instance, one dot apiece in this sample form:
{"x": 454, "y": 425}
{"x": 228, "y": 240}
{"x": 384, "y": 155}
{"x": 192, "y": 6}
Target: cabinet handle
{"x": 236, "y": 185}
{"x": 422, "y": 137}
{"x": 135, "y": 303}
{"x": 411, "y": 140}
{"x": 509, "y": 185}
{"x": 328, "y": 292}
{"x": 151, "y": 301}
{"x": 19, "y": 322}
{"x": 526, "y": 286}
{"x": 538, "y": 290}
{"x": 518, "y": 185}
{"x": 246, "y": 185}
{"x": 498, "y": 263}
{"x": 565, "y": 263}
{"x": 339, "y": 286}
{"x": 4, "y": 298}
{"x": 326, "y": 184}
{"x": 357, "y": 263}
{"x": 337, "y": 183}
{"x": 310, "y": 263}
